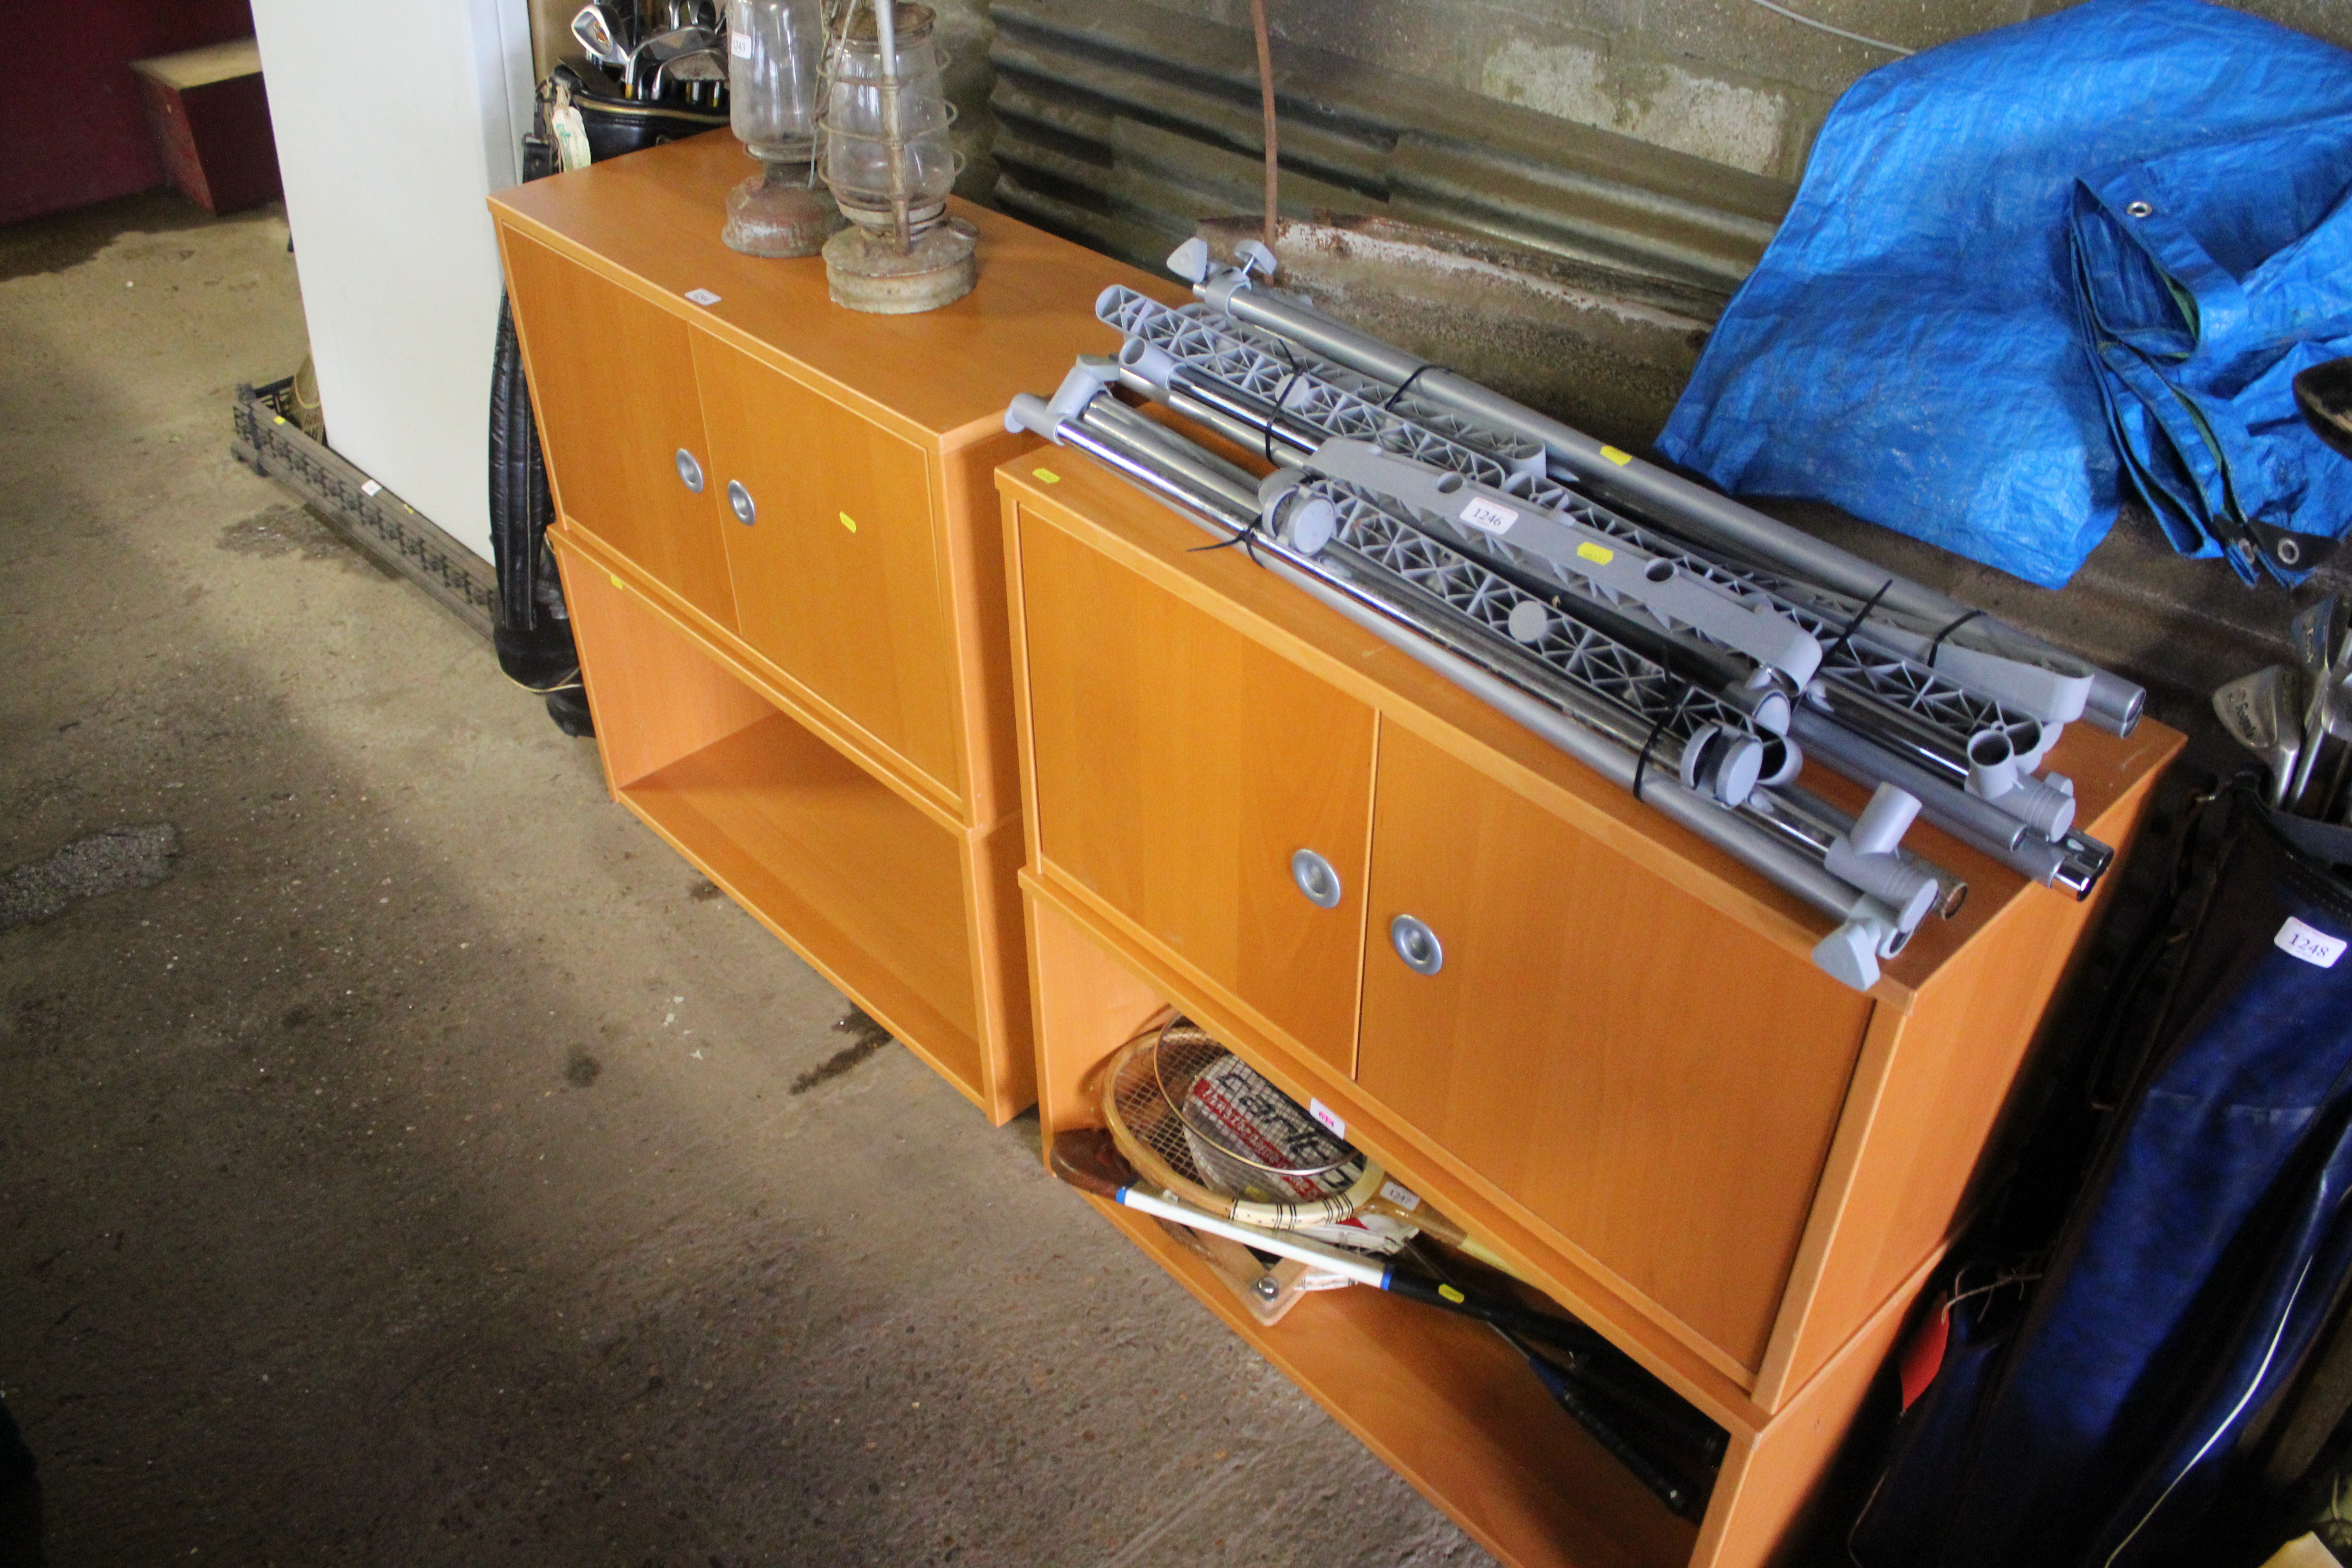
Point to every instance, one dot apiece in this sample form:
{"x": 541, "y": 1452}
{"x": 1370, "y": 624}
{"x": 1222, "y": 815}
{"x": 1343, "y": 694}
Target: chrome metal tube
{"x": 1974, "y": 822}
{"x": 1799, "y": 810}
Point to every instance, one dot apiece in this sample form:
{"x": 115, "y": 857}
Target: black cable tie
{"x": 1389, "y": 405}
{"x": 1642, "y": 763}
{"x": 1937, "y": 647}
{"x": 1246, "y": 538}
{"x": 1853, "y": 626}
{"x": 1280, "y": 392}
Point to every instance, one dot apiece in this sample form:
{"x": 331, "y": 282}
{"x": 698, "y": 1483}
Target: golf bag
{"x": 533, "y": 636}
{"x": 2130, "y": 1407}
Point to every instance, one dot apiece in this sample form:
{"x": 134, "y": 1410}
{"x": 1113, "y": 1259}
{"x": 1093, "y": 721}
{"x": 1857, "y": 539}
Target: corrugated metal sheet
{"x": 1123, "y": 130}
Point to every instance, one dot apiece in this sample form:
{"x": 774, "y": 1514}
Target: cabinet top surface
{"x": 655, "y": 217}
{"x": 1092, "y": 501}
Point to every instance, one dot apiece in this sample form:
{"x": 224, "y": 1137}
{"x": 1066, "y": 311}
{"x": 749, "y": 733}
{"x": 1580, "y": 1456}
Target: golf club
{"x": 2317, "y": 634}
{"x": 2263, "y": 713}
{"x": 653, "y": 53}
{"x": 599, "y": 32}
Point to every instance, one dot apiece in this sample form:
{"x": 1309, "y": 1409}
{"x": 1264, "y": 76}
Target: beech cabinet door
{"x": 836, "y": 571}
{"x": 612, "y": 378}
{"x": 1656, "y": 1081}
{"x": 1179, "y": 767}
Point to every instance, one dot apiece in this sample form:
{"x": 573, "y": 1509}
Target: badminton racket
{"x": 1089, "y": 1160}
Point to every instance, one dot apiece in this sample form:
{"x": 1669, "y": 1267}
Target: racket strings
{"x": 1178, "y": 1105}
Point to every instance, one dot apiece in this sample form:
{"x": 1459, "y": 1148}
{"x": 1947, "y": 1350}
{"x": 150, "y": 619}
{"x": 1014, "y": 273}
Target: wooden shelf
{"x": 897, "y": 908}
{"x": 802, "y": 499}
{"x": 1628, "y": 1080}
{"x": 1451, "y": 1408}
{"x": 856, "y": 882}
{"x": 1444, "y": 1402}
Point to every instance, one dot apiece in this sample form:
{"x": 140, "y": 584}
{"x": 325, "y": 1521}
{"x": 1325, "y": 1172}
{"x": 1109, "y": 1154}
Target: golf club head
{"x": 2263, "y": 713}
{"x": 701, "y": 65}
{"x": 2309, "y": 632}
{"x": 663, "y": 48}
{"x": 599, "y": 32}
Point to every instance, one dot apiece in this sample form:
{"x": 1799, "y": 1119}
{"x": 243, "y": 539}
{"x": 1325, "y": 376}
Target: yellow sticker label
{"x": 1616, "y": 456}
{"x": 849, "y": 523}
{"x": 1598, "y": 554}
{"x": 617, "y": 580}
{"x": 1047, "y": 474}
{"x": 1450, "y": 1293}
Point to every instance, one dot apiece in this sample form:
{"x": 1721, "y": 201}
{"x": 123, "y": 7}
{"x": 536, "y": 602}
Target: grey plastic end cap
{"x": 1028, "y": 412}
{"x": 1849, "y": 955}
{"x": 1190, "y": 260}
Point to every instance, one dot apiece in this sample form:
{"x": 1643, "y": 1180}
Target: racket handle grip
{"x": 1541, "y": 1327}
{"x": 1681, "y": 1496}
{"x": 1651, "y": 1404}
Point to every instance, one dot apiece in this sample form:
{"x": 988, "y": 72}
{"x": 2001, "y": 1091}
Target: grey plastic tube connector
{"x": 1996, "y": 775}
{"x": 1865, "y": 856}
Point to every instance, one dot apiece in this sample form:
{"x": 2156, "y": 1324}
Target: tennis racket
{"x": 1204, "y": 1125}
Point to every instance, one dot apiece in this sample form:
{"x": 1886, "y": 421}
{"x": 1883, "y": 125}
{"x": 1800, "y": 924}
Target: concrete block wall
{"x": 1728, "y": 81}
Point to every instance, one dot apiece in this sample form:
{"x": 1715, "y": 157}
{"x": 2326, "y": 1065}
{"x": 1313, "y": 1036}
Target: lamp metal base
{"x": 776, "y": 214}
{"x": 865, "y": 271}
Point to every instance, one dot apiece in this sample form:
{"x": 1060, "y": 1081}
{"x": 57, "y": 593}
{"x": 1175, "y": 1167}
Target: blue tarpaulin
{"x": 2031, "y": 268}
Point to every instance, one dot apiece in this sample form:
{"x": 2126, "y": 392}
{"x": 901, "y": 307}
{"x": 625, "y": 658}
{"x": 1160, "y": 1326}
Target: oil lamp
{"x": 887, "y": 158}
{"x": 775, "y": 50}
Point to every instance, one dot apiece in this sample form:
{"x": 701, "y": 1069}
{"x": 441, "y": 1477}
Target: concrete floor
{"x": 420, "y": 1172}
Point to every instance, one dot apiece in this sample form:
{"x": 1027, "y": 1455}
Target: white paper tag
{"x": 1480, "y": 513}
{"x": 702, "y": 296}
{"x": 2314, "y": 947}
{"x": 1404, "y": 1197}
{"x": 570, "y": 133}
{"x": 740, "y": 46}
{"x": 369, "y": 488}
{"x": 1327, "y": 1116}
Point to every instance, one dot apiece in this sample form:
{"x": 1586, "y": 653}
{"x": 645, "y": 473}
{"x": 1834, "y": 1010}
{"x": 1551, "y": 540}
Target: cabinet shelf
{"x": 1443, "y": 1401}
{"x": 878, "y": 896}
{"x": 860, "y": 884}
{"x": 1627, "y": 1079}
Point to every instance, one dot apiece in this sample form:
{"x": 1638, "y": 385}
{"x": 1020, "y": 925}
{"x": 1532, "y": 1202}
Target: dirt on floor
{"x": 405, "y": 1158}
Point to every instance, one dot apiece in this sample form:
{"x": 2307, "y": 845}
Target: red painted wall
{"x": 71, "y": 127}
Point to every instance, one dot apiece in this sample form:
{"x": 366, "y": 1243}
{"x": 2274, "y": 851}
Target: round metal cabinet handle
{"x": 1316, "y": 878}
{"x": 689, "y": 471}
{"x": 739, "y": 499}
{"x": 1416, "y": 945}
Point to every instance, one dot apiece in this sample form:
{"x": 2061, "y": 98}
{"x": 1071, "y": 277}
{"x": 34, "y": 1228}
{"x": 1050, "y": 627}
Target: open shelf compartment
{"x": 871, "y": 890}
{"x": 1442, "y": 1400}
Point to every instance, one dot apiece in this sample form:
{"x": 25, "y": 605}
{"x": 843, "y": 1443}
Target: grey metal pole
{"x": 2114, "y": 704}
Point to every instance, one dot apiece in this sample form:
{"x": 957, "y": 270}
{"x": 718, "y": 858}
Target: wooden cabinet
{"x": 620, "y": 409}
{"x": 1655, "y": 1084}
{"x": 1601, "y": 1045}
{"x": 1179, "y": 767}
{"x": 780, "y": 552}
{"x": 838, "y": 571}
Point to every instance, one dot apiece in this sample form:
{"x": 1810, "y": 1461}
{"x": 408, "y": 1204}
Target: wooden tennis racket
{"x": 1204, "y": 1125}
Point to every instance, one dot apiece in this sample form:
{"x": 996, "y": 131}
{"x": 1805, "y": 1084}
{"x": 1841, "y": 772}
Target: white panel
{"x": 393, "y": 126}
